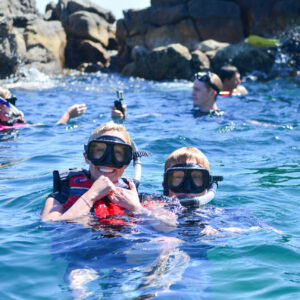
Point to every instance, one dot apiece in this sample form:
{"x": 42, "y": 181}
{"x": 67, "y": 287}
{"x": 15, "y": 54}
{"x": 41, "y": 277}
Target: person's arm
{"x": 72, "y": 112}
{"x": 53, "y": 210}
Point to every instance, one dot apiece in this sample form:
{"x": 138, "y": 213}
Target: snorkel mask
{"x": 205, "y": 76}
{"x": 188, "y": 179}
{"x": 109, "y": 151}
{"x": 12, "y": 113}
{"x": 5, "y": 102}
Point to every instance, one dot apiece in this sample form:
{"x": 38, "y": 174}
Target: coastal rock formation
{"x": 89, "y": 30}
{"x": 245, "y": 57}
{"x": 71, "y": 33}
{"x": 8, "y": 59}
{"x": 26, "y": 39}
{"x": 190, "y": 22}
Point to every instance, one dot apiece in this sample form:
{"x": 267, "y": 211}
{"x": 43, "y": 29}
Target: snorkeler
{"x": 187, "y": 177}
{"x": 101, "y": 190}
{"x": 231, "y": 79}
{"x": 206, "y": 88}
{"x": 11, "y": 117}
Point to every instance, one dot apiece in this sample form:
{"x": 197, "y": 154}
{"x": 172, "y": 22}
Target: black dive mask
{"x": 188, "y": 179}
{"x": 205, "y": 76}
{"x": 109, "y": 151}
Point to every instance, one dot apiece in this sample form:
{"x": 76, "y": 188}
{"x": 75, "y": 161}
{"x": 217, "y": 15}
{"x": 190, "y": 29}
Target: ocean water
{"x": 260, "y": 194}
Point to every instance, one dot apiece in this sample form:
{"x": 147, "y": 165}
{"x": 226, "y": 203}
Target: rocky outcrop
{"x": 71, "y": 33}
{"x": 8, "y": 59}
{"x": 245, "y": 57}
{"x": 27, "y": 39}
{"x": 192, "y": 22}
{"x": 89, "y": 30}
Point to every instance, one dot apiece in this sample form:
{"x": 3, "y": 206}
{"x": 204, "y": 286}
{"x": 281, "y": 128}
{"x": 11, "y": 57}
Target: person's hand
{"x": 115, "y": 113}
{"x": 5, "y": 93}
{"x": 100, "y": 188}
{"x": 127, "y": 198}
{"x": 76, "y": 110}
{"x": 72, "y": 112}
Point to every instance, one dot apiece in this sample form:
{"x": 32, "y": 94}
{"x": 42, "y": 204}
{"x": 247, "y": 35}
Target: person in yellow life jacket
{"x": 10, "y": 115}
{"x": 102, "y": 190}
{"x": 231, "y": 79}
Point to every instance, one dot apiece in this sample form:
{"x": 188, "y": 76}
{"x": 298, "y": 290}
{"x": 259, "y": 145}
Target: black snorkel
{"x": 118, "y": 103}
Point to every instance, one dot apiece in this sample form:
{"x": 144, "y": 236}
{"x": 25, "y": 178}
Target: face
{"x": 178, "y": 176}
{"x": 3, "y": 110}
{"x": 112, "y": 173}
{"x": 234, "y": 81}
{"x": 201, "y": 94}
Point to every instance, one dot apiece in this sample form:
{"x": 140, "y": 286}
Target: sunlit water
{"x": 259, "y": 162}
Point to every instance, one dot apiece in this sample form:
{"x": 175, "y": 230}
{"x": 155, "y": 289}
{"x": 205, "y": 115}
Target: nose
{"x": 187, "y": 186}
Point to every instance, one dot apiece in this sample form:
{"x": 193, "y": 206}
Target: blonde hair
{"x": 181, "y": 155}
{"x": 110, "y": 126}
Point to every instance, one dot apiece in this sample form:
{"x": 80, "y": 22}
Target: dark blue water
{"x": 260, "y": 193}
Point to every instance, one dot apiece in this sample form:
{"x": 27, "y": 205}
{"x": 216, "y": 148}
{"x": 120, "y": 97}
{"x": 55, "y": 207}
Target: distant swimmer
{"x": 118, "y": 110}
{"x": 12, "y": 117}
{"x": 206, "y": 88}
{"x": 231, "y": 79}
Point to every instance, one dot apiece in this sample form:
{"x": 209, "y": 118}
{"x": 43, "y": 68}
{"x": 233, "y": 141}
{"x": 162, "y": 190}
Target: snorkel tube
{"x": 200, "y": 200}
{"x": 137, "y": 164}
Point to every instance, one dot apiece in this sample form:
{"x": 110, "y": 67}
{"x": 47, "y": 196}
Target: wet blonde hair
{"x": 107, "y": 127}
{"x": 181, "y": 155}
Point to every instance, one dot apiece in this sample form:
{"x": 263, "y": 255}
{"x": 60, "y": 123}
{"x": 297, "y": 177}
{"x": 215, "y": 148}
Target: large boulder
{"x": 268, "y": 17}
{"x": 29, "y": 40}
{"x": 65, "y": 8}
{"x": 87, "y": 25}
{"x": 217, "y": 19}
{"x": 166, "y": 3}
{"x": 245, "y": 57}
{"x": 89, "y": 29}
{"x": 175, "y": 14}
{"x": 45, "y": 42}
{"x": 183, "y": 33}
{"x": 162, "y": 63}
{"x": 14, "y": 9}
{"x": 8, "y": 58}
{"x": 200, "y": 61}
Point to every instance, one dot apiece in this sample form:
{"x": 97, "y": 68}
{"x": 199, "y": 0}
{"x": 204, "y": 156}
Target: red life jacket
{"x": 78, "y": 184}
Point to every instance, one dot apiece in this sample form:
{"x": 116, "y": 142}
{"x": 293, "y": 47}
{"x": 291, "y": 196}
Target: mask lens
{"x": 97, "y": 150}
{"x": 122, "y": 153}
{"x": 197, "y": 178}
{"x": 175, "y": 178}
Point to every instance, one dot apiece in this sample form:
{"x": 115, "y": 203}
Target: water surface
{"x": 259, "y": 162}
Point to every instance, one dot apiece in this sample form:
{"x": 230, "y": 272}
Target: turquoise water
{"x": 260, "y": 191}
